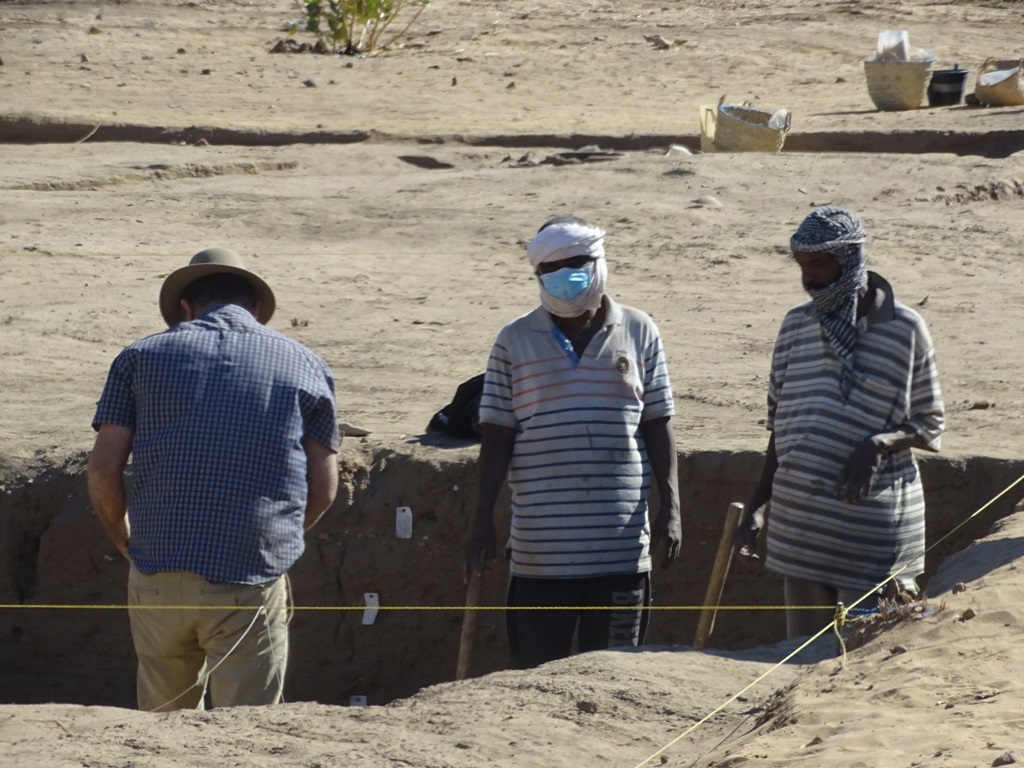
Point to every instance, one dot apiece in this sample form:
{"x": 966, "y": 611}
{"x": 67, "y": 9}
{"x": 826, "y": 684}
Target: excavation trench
{"x": 992, "y": 144}
{"x": 54, "y": 563}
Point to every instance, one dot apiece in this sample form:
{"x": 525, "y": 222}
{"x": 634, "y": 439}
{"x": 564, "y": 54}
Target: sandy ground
{"x": 940, "y": 688}
{"x": 392, "y": 233}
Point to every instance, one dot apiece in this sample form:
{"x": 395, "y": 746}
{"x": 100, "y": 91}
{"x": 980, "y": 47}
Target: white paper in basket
{"x": 991, "y": 78}
{"x": 778, "y": 119}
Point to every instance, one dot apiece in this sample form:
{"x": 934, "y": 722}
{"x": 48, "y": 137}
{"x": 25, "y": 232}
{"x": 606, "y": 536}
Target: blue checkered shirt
{"x": 219, "y": 407}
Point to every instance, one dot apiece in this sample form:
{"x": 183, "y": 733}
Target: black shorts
{"x": 536, "y": 637}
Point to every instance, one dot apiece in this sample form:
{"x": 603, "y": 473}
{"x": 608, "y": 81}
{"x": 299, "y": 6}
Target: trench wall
{"x": 53, "y": 553}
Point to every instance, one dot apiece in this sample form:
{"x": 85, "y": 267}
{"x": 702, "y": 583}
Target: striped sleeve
{"x": 496, "y": 399}
{"x": 780, "y": 362}
{"x": 658, "y": 401}
{"x": 927, "y": 413}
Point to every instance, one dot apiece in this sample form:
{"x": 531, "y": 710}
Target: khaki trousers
{"x": 180, "y": 644}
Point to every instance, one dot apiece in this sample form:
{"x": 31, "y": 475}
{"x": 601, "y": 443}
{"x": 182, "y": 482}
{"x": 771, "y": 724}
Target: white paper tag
{"x": 372, "y": 604}
{"x": 357, "y": 701}
{"x": 403, "y": 522}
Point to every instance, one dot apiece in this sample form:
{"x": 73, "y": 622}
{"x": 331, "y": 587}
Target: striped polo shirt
{"x": 579, "y": 475}
{"x": 811, "y": 534}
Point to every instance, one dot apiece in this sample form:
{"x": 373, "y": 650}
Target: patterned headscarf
{"x": 839, "y": 233}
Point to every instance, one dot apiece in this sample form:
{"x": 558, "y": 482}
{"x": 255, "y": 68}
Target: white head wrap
{"x": 563, "y": 240}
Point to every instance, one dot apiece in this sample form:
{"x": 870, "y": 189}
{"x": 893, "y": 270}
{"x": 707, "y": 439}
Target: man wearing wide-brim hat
{"x": 233, "y": 435}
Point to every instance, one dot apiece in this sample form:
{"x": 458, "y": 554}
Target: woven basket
{"x": 1005, "y": 93}
{"x": 895, "y": 85}
{"x": 745, "y": 129}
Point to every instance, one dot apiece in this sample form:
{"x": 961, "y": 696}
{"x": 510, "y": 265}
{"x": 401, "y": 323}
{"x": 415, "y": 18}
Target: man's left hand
{"x": 666, "y": 534}
{"x": 858, "y": 473}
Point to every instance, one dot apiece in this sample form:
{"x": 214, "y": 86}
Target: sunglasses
{"x": 573, "y": 262}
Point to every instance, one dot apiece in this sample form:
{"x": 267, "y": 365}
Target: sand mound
{"x": 947, "y": 686}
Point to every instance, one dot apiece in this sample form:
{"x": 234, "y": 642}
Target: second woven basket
{"x": 1008, "y": 92}
{"x": 896, "y": 85}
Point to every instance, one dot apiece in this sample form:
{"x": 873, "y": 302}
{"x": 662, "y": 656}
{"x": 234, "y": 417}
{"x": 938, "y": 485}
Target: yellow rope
{"x": 835, "y": 625}
{"x": 53, "y": 606}
{"x": 732, "y": 698}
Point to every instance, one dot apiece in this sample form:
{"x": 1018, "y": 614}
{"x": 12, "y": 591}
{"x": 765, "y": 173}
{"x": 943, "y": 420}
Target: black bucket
{"x": 947, "y": 87}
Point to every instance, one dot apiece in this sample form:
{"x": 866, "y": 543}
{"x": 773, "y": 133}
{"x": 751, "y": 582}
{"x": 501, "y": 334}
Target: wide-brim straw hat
{"x": 212, "y": 261}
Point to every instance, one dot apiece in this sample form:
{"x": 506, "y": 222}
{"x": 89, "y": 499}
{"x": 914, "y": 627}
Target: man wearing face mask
{"x": 853, "y": 388}
{"x": 577, "y": 412}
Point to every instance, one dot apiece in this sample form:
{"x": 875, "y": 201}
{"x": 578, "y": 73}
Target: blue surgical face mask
{"x": 567, "y": 283}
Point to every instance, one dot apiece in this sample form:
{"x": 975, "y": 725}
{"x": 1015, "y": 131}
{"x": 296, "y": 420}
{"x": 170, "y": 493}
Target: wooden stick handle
{"x": 468, "y": 626}
{"x": 716, "y": 585}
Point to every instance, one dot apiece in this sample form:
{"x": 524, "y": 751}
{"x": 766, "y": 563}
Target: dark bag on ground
{"x": 461, "y": 417}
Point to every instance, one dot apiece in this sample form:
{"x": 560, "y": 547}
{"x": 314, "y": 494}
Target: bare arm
{"x": 858, "y": 473}
{"x": 750, "y": 524}
{"x": 321, "y": 479}
{"x": 105, "y": 477}
{"x": 666, "y": 528}
{"x": 495, "y": 457}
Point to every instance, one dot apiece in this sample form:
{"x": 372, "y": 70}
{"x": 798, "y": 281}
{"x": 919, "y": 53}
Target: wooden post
{"x": 718, "y": 573}
{"x": 468, "y": 626}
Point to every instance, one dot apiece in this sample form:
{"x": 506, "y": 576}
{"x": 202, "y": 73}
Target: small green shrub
{"x": 358, "y": 26}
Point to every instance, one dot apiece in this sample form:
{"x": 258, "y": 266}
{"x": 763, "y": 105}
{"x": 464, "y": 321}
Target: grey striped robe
{"x": 811, "y": 534}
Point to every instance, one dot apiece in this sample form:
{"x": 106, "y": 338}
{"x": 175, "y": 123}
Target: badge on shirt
{"x": 623, "y": 364}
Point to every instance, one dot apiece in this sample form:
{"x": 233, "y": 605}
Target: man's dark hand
{"x": 666, "y": 535}
{"x": 858, "y": 473}
{"x": 744, "y": 541}
{"x": 481, "y": 547}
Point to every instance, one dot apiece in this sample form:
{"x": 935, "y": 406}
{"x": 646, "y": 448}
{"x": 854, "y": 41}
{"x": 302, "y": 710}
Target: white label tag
{"x": 403, "y": 522}
{"x": 357, "y": 701}
{"x": 372, "y": 604}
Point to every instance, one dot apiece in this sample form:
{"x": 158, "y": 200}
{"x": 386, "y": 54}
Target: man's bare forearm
{"x": 110, "y": 505}
{"x": 321, "y": 480}
{"x": 661, "y": 450}
{"x": 900, "y": 440}
{"x": 105, "y": 477}
{"x": 496, "y": 449}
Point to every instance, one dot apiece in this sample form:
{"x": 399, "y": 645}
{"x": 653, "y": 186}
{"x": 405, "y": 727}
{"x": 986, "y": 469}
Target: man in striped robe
{"x": 853, "y": 388}
{"x": 577, "y": 411}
